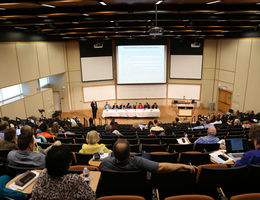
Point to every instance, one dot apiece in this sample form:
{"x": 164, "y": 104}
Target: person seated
{"x": 115, "y": 106}
{"x": 107, "y": 106}
{"x": 253, "y": 156}
{"x": 167, "y": 131}
{"x": 135, "y": 126}
{"x": 10, "y": 141}
{"x": 155, "y": 106}
{"x": 149, "y": 125}
{"x": 140, "y": 106}
{"x": 211, "y": 138}
{"x": 128, "y": 106}
{"x": 56, "y": 129}
{"x": 135, "y": 106}
{"x": 122, "y": 106}
{"x": 25, "y": 156}
{"x": 43, "y": 127}
{"x": 55, "y": 182}
{"x": 3, "y": 126}
{"x": 109, "y": 132}
{"x": 93, "y": 146}
{"x": 113, "y": 125}
{"x": 147, "y": 106}
{"x": 157, "y": 128}
{"x": 123, "y": 162}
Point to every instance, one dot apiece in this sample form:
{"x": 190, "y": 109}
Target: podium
{"x": 185, "y": 110}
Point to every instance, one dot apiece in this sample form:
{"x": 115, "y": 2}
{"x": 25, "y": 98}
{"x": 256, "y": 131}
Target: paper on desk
{"x": 217, "y": 159}
{"x": 180, "y": 140}
{"x": 13, "y": 186}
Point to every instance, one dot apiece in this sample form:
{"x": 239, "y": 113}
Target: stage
{"x": 167, "y": 115}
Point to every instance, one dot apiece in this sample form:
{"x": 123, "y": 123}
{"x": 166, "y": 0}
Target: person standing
{"x": 94, "y": 108}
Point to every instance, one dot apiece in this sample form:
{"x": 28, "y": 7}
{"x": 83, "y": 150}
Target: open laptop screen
{"x": 234, "y": 145}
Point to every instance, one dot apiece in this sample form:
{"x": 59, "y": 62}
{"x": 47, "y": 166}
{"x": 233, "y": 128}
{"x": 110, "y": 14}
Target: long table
{"x": 140, "y": 113}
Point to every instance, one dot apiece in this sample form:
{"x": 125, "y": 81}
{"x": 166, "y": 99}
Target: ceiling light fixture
{"x": 18, "y": 27}
{"x": 85, "y": 14}
{"x": 219, "y": 13}
{"x": 42, "y": 16}
{"x": 2, "y": 8}
{"x": 48, "y": 5}
{"x": 159, "y": 2}
{"x": 102, "y": 2}
{"x": 213, "y": 2}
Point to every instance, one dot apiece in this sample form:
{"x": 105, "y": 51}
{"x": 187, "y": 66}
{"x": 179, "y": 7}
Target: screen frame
{"x": 152, "y": 83}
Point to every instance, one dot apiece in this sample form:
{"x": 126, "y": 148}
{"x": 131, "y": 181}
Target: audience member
{"x": 109, "y": 132}
{"x": 253, "y": 128}
{"x": 107, "y": 106}
{"x": 210, "y": 138}
{"x": 43, "y": 127}
{"x": 150, "y": 125}
{"x": 9, "y": 141}
{"x": 25, "y": 156}
{"x": 253, "y": 156}
{"x": 56, "y": 129}
{"x": 3, "y": 125}
{"x": 93, "y": 146}
{"x": 156, "y": 128}
{"x": 140, "y": 106}
{"x": 55, "y": 182}
{"x": 168, "y": 131}
{"x": 135, "y": 126}
{"x": 123, "y": 162}
{"x": 113, "y": 124}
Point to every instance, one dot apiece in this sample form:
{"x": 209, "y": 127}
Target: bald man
{"x": 123, "y": 162}
{"x": 210, "y": 138}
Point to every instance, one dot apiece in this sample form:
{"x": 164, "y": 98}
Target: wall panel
{"x": 33, "y": 103}
{"x": 14, "y": 109}
{"x": 228, "y": 54}
{"x": 43, "y": 59}
{"x": 56, "y": 53}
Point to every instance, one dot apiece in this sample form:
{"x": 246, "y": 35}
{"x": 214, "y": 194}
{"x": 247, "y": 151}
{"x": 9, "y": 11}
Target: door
{"x": 57, "y": 102}
{"x": 224, "y": 100}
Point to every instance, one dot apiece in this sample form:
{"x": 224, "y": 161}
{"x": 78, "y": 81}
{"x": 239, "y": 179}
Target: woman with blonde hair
{"x": 92, "y": 145}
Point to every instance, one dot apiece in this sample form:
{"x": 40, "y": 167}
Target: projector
{"x": 98, "y": 45}
{"x": 156, "y": 31}
{"x": 195, "y": 45}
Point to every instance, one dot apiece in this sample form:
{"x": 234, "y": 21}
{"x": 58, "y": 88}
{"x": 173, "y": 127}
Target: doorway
{"x": 224, "y": 100}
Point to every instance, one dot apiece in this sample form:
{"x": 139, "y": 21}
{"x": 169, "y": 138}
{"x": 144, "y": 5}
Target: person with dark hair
{"x": 9, "y": 141}
{"x": 123, "y": 162}
{"x": 251, "y": 157}
{"x": 25, "y": 156}
{"x": 94, "y": 108}
{"x": 55, "y": 182}
{"x": 168, "y": 131}
{"x": 3, "y": 126}
{"x": 43, "y": 127}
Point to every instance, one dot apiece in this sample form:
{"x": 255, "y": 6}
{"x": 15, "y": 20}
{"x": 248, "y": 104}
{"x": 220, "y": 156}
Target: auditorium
{"x": 129, "y": 100}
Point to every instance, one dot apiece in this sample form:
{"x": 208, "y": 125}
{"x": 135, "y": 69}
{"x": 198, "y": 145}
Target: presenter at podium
{"x": 94, "y": 108}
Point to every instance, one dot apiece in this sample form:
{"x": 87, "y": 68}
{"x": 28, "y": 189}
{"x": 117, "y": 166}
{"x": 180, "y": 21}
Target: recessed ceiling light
{"x": 75, "y": 22}
{"x": 2, "y": 8}
{"x": 219, "y": 13}
{"x": 85, "y": 14}
{"x": 159, "y": 2}
{"x": 42, "y": 16}
{"x": 112, "y": 21}
{"x": 18, "y": 27}
{"x": 221, "y": 20}
{"x": 2, "y": 18}
{"x": 102, "y": 3}
{"x": 213, "y": 2}
{"x": 258, "y": 3}
{"x": 258, "y": 13}
{"x": 48, "y": 5}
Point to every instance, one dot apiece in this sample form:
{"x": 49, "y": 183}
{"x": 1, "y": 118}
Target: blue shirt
{"x": 250, "y": 157}
{"x": 207, "y": 140}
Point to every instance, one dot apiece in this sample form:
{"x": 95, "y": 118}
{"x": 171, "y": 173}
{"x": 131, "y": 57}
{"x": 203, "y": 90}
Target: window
{"x": 10, "y": 92}
{"x": 44, "y": 81}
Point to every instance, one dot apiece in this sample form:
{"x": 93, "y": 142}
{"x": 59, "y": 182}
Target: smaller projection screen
{"x": 141, "y": 64}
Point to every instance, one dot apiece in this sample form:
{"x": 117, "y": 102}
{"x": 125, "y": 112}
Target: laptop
{"x": 236, "y": 147}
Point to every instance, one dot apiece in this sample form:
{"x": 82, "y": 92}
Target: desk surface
{"x": 95, "y": 163}
{"x": 94, "y": 177}
{"x": 131, "y": 113}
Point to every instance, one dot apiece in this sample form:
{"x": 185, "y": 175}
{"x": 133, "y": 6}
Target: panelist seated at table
{"x": 107, "y": 106}
{"x": 135, "y": 105}
{"x": 115, "y": 106}
{"x": 147, "y": 106}
{"x": 93, "y": 146}
{"x": 122, "y": 106}
{"x": 55, "y": 182}
{"x": 140, "y": 106}
{"x": 25, "y": 156}
{"x": 155, "y": 106}
{"x": 128, "y": 106}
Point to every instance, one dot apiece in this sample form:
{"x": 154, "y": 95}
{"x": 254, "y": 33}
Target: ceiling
{"x": 84, "y": 19}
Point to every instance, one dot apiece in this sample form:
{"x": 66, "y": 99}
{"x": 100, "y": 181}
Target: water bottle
{"x": 86, "y": 174}
{"x": 101, "y": 152}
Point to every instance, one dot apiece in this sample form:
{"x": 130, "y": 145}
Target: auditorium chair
{"x": 164, "y": 157}
{"x": 249, "y": 196}
{"x": 150, "y": 140}
{"x": 65, "y": 140}
{"x": 231, "y": 180}
{"x": 13, "y": 170}
{"x": 44, "y": 145}
{"x": 121, "y": 197}
{"x": 3, "y": 160}
{"x": 174, "y": 183}
{"x": 107, "y": 141}
{"x": 253, "y": 174}
{"x": 128, "y": 137}
{"x": 154, "y": 147}
{"x": 114, "y": 137}
{"x": 50, "y": 140}
{"x": 167, "y": 140}
{"x": 78, "y": 169}
{"x": 74, "y": 147}
{"x": 190, "y": 197}
{"x": 74, "y": 135}
{"x": 123, "y": 182}
{"x": 134, "y": 148}
{"x": 195, "y": 158}
{"x": 132, "y": 141}
{"x": 80, "y": 140}
{"x": 206, "y": 147}
{"x": 82, "y": 158}
{"x": 180, "y": 147}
